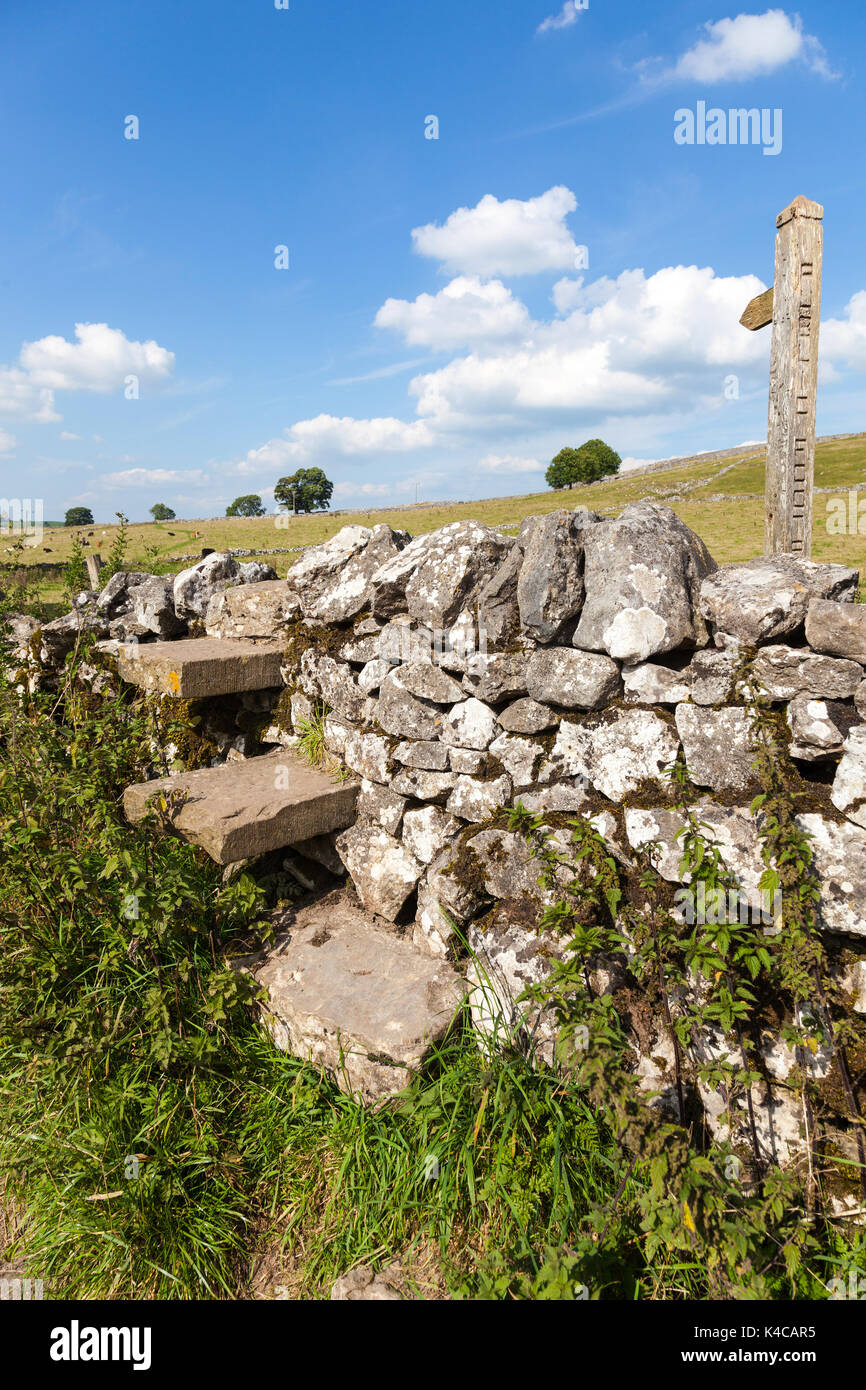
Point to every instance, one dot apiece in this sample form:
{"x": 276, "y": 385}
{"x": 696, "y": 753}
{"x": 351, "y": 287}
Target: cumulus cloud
{"x": 327, "y": 436}
{"x": 628, "y": 345}
{"x": 150, "y": 477}
{"x": 565, "y": 18}
{"x": 636, "y": 348}
{"x": 67, "y": 434}
{"x": 20, "y": 397}
{"x": 749, "y": 45}
{"x": 508, "y": 464}
{"x": 100, "y": 360}
{"x": 631, "y": 358}
{"x": 567, "y": 294}
{"x": 510, "y": 238}
{"x": 7, "y": 442}
{"x": 468, "y": 310}
{"x": 843, "y": 341}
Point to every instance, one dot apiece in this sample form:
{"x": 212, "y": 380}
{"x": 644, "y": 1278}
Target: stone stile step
{"x": 202, "y": 667}
{"x": 241, "y": 810}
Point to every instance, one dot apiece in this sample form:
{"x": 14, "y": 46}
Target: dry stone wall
{"x": 567, "y": 670}
{"x": 466, "y": 672}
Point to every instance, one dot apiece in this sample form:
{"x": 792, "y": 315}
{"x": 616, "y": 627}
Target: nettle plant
{"x": 707, "y": 977}
{"x": 817, "y": 1010}
{"x": 117, "y": 553}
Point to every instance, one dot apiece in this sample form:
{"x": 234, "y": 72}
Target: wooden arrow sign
{"x": 758, "y": 313}
{"x": 793, "y": 307}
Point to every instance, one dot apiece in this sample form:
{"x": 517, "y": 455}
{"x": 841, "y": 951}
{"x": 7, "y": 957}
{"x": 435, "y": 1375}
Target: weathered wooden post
{"x": 794, "y": 307}
{"x": 94, "y": 565}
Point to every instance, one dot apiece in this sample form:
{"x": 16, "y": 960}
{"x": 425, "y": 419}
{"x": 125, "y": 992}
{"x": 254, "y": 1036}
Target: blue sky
{"x": 438, "y": 332}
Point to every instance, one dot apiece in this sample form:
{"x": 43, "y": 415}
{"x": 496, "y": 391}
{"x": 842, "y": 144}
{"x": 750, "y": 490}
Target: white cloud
{"x": 509, "y": 238}
{"x": 630, "y": 344}
{"x": 566, "y": 17}
{"x": 630, "y": 359}
{"x": 843, "y": 341}
{"x": 567, "y": 294}
{"x": 468, "y": 310}
{"x": 7, "y": 442}
{"x": 151, "y": 477}
{"x": 507, "y": 464}
{"x": 19, "y": 396}
{"x": 67, "y": 434}
{"x": 100, "y": 360}
{"x": 749, "y": 45}
{"x": 328, "y": 435}
{"x": 635, "y": 359}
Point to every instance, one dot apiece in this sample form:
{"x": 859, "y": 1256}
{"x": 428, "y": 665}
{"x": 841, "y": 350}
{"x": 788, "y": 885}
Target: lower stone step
{"x": 354, "y": 999}
{"x": 196, "y": 668}
{"x": 243, "y": 810}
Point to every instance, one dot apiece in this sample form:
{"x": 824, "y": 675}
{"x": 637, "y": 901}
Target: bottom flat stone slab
{"x": 242, "y": 810}
{"x": 355, "y": 1000}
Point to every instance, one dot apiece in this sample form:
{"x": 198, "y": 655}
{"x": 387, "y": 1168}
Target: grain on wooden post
{"x": 794, "y": 379}
{"x": 94, "y": 565}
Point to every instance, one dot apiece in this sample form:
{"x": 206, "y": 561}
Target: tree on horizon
{"x": 593, "y": 460}
{"x": 250, "y": 504}
{"x": 308, "y": 490}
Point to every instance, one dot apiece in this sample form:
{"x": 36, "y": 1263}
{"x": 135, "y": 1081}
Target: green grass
{"x": 311, "y": 743}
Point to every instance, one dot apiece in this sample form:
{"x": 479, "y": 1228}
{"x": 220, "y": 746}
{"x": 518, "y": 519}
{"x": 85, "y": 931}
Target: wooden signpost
{"x": 793, "y": 307}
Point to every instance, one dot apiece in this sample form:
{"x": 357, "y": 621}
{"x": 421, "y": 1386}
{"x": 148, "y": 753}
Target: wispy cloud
{"x": 733, "y": 50}
{"x": 149, "y": 477}
{"x": 381, "y": 372}
{"x": 566, "y": 17}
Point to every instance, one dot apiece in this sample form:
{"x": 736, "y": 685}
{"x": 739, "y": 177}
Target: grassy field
{"x": 721, "y": 499}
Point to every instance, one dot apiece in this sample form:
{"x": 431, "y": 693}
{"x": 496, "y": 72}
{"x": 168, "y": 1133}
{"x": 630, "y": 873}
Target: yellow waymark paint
{"x": 174, "y": 682}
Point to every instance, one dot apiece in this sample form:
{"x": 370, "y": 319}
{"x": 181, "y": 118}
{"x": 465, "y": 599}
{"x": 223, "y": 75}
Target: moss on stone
{"x": 301, "y": 636}
{"x": 181, "y": 722}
